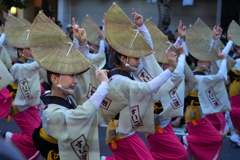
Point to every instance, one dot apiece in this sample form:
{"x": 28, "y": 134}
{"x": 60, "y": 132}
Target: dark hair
{"x": 18, "y": 50}
{"x": 49, "y": 74}
{"x": 117, "y": 58}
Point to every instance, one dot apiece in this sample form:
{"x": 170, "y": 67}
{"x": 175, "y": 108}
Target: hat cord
{"x": 69, "y": 48}
{"x": 134, "y": 37}
{"x": 211, "y": 45}
{"x": 169, "y": 46}
{"x": 28, "y": 34}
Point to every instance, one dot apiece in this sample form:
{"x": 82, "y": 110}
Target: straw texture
{"x": 123, "y": 35}
{"x": 160, "y": 42}
{"x": 17, "y": 33}
{"x": 26, "y": 22}
{"x": 53, "y": 49}
{"x": 91, "y": 29}
{"x": 234, "y": 30}
{"x": 206, "y": 31}
{"x": 198, "y": 46}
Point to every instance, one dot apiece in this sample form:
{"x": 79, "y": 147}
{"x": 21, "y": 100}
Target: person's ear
{"x": 54, "y": 79}
{"x": 123, "y": 59}
{"x": 20, "y": 52}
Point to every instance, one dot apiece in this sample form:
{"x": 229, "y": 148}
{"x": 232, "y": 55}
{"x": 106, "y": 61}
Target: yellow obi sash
{"x": 234, "y": 86}
{"x": 111, "y": 135}
{"x": 193, "y": 113}
{"x": 51, "y": 154}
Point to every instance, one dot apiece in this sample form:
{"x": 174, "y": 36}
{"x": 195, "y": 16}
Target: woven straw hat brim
{"x": 206, "y": 31}
{"x": 91, "y": 29}
{"x": 53, "y": 49}
{"x": 123, "y": 35}
{"x": 26, "y": 22}
{"x": 198, "y": 46}
{"x": 234, "y": 30}
{"x": 160, "y": 42}
{"x": 17, "y": 33}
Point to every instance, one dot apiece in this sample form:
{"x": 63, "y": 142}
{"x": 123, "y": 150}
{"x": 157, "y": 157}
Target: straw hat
{"x": 26, "y": 22}
{"x": 206, "y": 31}
{"x": 17, "y": 32}
{"x": 199, "y": 46}
{"x": 234, "y": 30}
{"x": 160, "y": 42}
{"x": 123, "y": 35}
{"x": 91, "y": 29}
{"x": 53, "y": 49}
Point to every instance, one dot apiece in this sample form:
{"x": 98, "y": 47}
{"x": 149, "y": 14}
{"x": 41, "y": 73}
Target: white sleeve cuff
{"x": 158, "y": 81}
{"x": 228, "y": 47}
{"x": 223, "y": 67}
{"x": 214, "y": 43}
{"x": 102, "y": 45}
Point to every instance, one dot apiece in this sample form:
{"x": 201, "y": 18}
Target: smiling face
{"x": 67, "y": 82}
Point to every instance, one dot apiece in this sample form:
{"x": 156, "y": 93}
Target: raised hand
{"x": 179, "y": 49}
{"x": 5, "y": 15}
{"x": 220, "y": 54}
{"x": 138, "y": 19}
{"x": 219, "y": 29}
{"x": 104, "y": 17}
{"x": 182, "y": 30}
{"x": 215, "y": 33}
{"x": 3, "y": 28}
{"x": 102, "y": 75}
{"x": 172, "y": 59}
{"x": 79, "y": 33}
{"x": 100, "y": 35}
{"x": 52, "y": 19}
{"x": 229, "y": 37}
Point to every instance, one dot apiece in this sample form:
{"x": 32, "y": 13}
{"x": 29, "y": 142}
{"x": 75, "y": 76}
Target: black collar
{"x": 198, "y": 73}
{"x": 17, "y": 61}
{"x": 121, "y": 72}
{"x": 236, "y": 57}
{"x": 58, "y": 100}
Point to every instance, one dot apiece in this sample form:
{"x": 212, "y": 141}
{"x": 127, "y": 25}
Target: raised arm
{"x": 182, "y": 31}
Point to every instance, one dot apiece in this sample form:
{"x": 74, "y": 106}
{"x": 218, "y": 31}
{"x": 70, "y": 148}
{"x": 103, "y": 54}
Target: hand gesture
{"x": 220, "y": 54}
{"x": 52, "y": 19}
{"x": 172, "y": 58}
{"x": 104, "y": 17}
{"x": 215, "y": 33}
{"x": 3, "y": 28}
{"x": 79, "y": 33}
{"x": 100, "y": 35}
{"x": 229, "y": 37}
{"x": 5, "y": 15}
{"x": 219, "y": 29}
{"x": 179, "y": 49}
{"x": 182, "y": 30}
{"x": 102, "y": 75}
{"x": 138, "y": 19}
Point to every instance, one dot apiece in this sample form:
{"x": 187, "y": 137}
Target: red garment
{"x": 204, "y": 141}
{"x": 132, "y": 148}
{"x": 27, "y": 121}
{"x": 166, "y": 146}
{"x": 5, "y": 102}
{"x": 218, "y": 121}
{"x": 235, "y": 112}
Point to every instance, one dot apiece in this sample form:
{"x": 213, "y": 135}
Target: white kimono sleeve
{"x": 27, "y": 76}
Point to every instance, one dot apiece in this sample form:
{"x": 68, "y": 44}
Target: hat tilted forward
{"x": 160, "y": 42}
{"x": 17, "y": 32}
{"x": 91, "y": 29}
{"x": 234, "y": 30}
{"x": 199, "y": 45}
{"x": 53, "y": 49}
{"x": 206, "y": 31}
{"x": 123, "y": 35}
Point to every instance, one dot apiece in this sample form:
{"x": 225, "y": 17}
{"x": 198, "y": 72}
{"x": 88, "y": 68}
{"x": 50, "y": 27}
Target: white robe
{"x": 28, "y": 80}
{"x": 76, "y": 130}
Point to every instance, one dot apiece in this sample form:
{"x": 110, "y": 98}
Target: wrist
{"x": 171, "y": 68}
{"x": 83, "y": 43}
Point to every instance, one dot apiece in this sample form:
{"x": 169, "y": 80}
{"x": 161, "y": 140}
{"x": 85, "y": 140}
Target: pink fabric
{"x": 204, "y": 141}
{"x": 235, "y": 112}
{"x": 27, "y": 121}
{"x": 5, "y": 102}
{"x": 42, "y": 89}
{"x": 218, "y": 121}
{"x": 131, "y": 147}
{"x": 166, "y": 146}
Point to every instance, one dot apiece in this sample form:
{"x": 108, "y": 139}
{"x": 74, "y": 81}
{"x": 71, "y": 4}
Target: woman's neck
{"x": 23, "y": 59}
{"x": 123, "y": 67}
{"x": 56, "y": 92}
{"x": 199, "y": 69}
